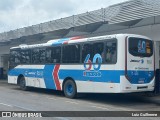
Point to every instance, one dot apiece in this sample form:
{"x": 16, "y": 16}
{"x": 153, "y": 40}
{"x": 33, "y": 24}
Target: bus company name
{"x": 96, "y": 63}
{"x": 141, "y": 61}
{"x": 91, "y": 74}
{"x": 36, "y": 73}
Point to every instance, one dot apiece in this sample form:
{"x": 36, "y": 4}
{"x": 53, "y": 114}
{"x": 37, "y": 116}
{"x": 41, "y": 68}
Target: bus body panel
{"x": 127, "y": 87}
{"x": 45, "y": 77}
{"x": 110, "y": 78}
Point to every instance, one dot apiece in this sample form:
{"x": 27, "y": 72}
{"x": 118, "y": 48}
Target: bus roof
{"x": 78, "y": 39}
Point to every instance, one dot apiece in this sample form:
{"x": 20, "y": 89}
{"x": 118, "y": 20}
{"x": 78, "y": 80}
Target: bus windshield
{"x": 140, "y": 47}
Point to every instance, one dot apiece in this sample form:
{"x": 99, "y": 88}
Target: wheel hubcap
{"x": 69, "y": 89}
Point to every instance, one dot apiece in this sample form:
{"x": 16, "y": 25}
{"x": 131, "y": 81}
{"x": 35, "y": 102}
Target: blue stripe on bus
{"x": 137, "y": 77}
{"x": 82, "y": 75}
{"x": 103, "y": 75}
{"x": 48, "y": 78}
{"x": 36, "y": 73}
{"x": 60, "y": 41}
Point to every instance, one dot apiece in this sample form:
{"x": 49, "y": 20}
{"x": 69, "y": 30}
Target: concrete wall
{"x": 152, "y": 31}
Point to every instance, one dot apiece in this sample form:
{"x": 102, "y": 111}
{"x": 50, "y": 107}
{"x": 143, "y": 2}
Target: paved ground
{"x": 13, "y": 99}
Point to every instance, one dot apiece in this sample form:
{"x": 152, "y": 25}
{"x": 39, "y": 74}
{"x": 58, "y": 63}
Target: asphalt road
{"x": 13, "y": 99}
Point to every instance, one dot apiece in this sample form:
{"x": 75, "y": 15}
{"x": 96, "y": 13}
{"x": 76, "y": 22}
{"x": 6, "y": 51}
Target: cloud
{"x": 6, "y": 5}
{"x": 90, "y": 5}
{"x": 20, "y": 13}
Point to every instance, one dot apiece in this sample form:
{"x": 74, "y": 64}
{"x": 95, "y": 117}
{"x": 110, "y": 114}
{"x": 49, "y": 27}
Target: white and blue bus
{"x": 121, "y": 63}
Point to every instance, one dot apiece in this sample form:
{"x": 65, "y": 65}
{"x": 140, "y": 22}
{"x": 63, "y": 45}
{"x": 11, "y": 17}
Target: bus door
{"x": 139, "y": 60}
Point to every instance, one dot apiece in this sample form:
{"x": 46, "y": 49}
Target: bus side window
{"x": 49, "y": 55}
{"x": 15, "y": 57}
{"x": 53, "y": 55}
{"x": 38, "y": 56}
{"x": 25, "y": 56}
{"x": 56, "y": 54}
{"x": 108, "y": 54}
{"x": 111, "y": 52}
{"x": 42, "y": 55}
{"x": 98, "y": 48}
{"x": 71, "y": 54}
{"x": 35, "y": 56}
{"x": 87, "y": 49}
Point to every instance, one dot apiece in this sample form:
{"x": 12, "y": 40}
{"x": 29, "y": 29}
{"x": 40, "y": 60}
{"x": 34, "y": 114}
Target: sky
{"x": 16, "y": 14}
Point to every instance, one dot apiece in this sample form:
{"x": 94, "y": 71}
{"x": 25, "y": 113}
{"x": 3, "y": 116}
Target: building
{"x": 134, "y": 16}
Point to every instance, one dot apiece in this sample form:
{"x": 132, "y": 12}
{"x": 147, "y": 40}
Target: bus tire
{"x": 22, "y": 84}
{"x": 70, "y": 89}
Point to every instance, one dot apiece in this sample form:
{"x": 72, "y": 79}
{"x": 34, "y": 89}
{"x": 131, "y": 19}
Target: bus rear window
{"x": 140, "y": 47}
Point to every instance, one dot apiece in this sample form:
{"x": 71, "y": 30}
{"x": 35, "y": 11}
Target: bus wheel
{"x": 22, "y": 84}
{"x": 70, "y": 89}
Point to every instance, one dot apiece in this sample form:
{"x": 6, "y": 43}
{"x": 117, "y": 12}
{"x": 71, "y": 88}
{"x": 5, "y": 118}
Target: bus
{"x": 119, "y": 63}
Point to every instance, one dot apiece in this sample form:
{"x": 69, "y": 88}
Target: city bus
{"x": 120, "y": 63}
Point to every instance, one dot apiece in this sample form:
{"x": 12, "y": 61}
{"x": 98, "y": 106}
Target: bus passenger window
{"x": 56, "y": 55}
{"x": 25, "y": 56}
{"x": 15, "y": 57}
{"x": 108, "y": 55}
{"x": 49, "y": 55}
{"x": 38, "y": 56}
{"x": 53, "y": 55}
{"x": 98, "y": 48}
{"x": 111, "y": 52}
{"x": 87, "y": 49}
{"x": 71, "y": 54}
